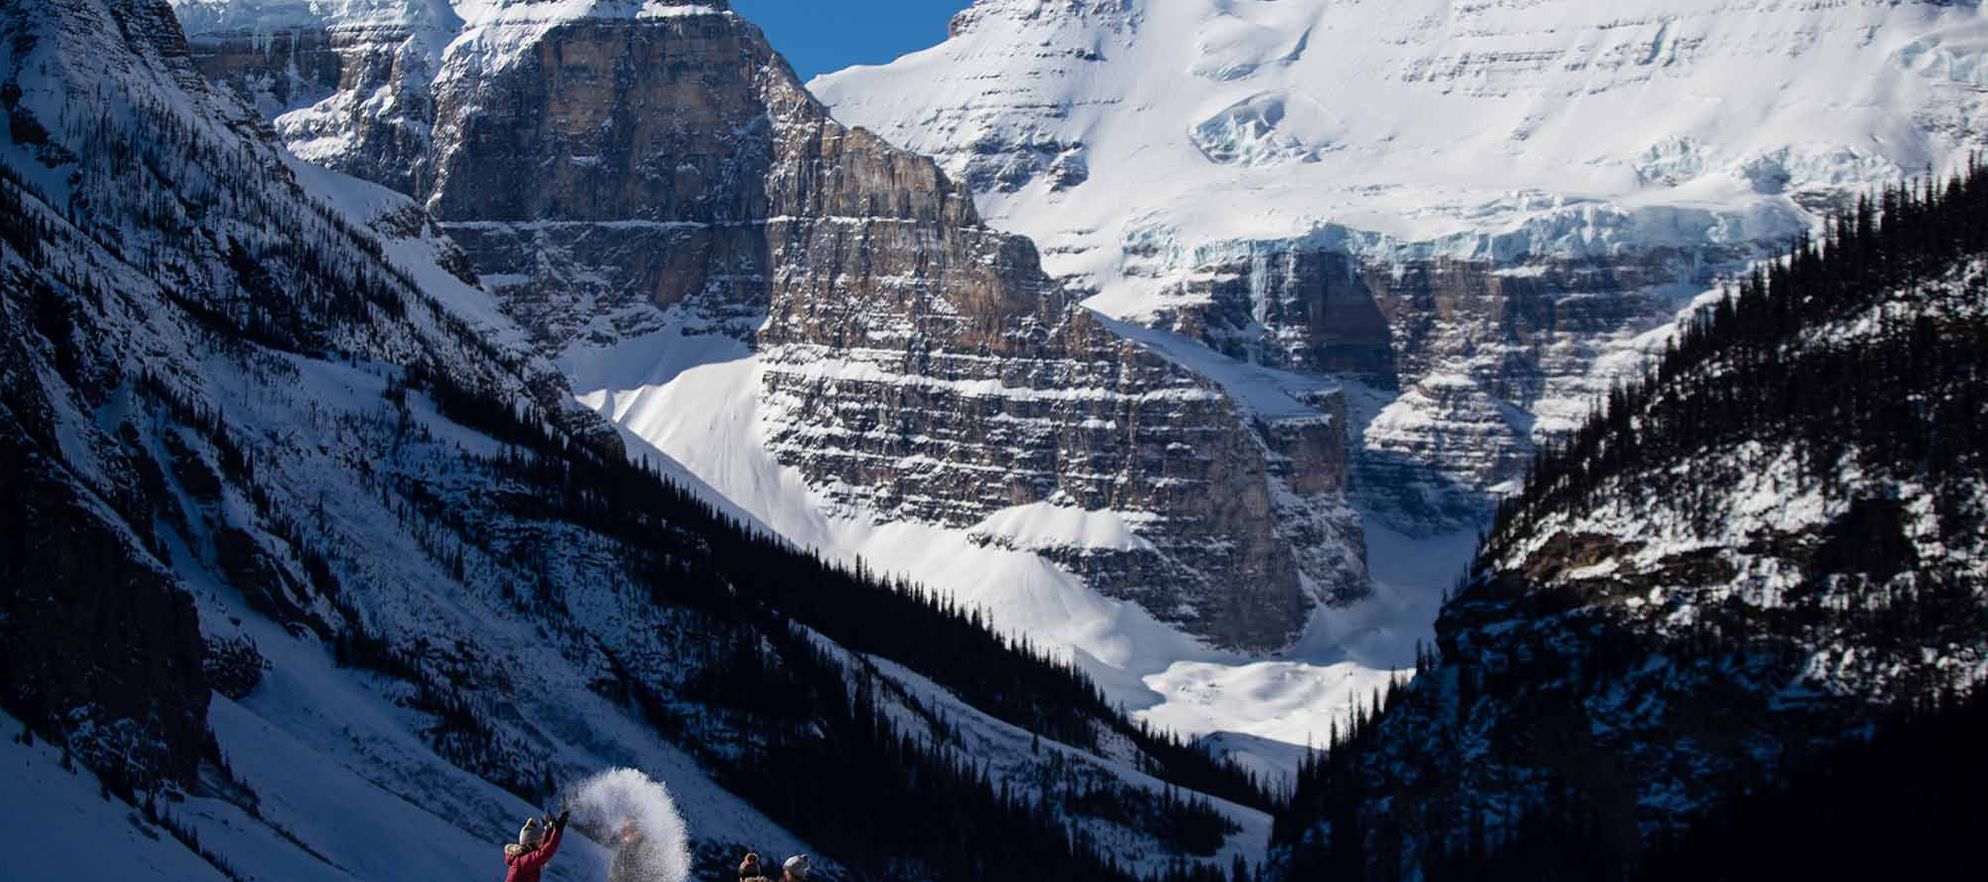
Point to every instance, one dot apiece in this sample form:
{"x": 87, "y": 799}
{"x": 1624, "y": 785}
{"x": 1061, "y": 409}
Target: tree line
{"x": 1862, "y": 355}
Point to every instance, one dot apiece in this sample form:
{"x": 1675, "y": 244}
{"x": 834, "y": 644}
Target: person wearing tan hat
{"x": 537, "y": 842}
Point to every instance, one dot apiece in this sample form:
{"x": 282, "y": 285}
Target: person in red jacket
{"x": 534, "y": 849}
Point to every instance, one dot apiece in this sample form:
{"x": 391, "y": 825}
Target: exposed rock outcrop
{"x": 1472, "y": 351}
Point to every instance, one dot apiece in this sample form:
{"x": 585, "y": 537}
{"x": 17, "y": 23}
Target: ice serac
{"x": 1470, "y": 210}
{"x": 614, "y": 169}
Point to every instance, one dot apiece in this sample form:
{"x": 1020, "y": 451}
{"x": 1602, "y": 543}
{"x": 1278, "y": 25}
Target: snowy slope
{"x": 59, "y": 827}
{"x": 1487, "y": 130}
{"x": 324, "y": 770}
{"x": 697, "y": 407}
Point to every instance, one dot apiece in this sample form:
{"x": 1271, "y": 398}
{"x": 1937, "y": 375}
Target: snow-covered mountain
{"x": 1473, "y": 207}
{"x": 1473, "y": 218}
{"x": 1347, "y": 264}
{"x": 323, "y": 562}
{"x": 627, "y": 174}
{"x": 314, "y": 569}
{"x": 820, "y": 329}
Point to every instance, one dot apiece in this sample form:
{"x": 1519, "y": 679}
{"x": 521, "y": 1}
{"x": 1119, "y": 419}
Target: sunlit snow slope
{"x": 698, "y": 407}
{"x": 1097, "y": 126}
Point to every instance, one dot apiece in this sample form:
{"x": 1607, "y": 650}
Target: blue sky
{"x": 819, "y": 36}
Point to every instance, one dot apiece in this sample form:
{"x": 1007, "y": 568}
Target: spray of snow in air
{"x": 605, "y": 803}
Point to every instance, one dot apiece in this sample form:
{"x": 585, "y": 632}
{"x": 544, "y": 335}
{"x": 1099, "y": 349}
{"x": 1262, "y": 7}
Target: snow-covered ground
{"x": 58, "y": 826}
{"x": 343, "y": 775}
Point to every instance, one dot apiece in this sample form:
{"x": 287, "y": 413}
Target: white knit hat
{"x": 798, "y": 865}
{"x": 530, "y": 834}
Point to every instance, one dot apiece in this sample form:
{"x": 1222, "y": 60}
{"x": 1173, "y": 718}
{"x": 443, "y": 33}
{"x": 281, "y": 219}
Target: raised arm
{"x": 545, "y": 851}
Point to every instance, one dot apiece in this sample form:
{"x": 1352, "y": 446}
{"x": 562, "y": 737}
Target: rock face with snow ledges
{"x": 619, "y": 169}
{"x": 346, "y": 82}
{"x": 1491, "y": 198}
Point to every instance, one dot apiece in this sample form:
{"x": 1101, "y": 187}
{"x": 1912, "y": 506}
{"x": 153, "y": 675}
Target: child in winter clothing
{"x": 534, "y": 849}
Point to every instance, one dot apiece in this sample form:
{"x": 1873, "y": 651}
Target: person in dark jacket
{"x": 750, "y": 868}
{"x": 537, "y": 842}
{"x": 631, "y": 854}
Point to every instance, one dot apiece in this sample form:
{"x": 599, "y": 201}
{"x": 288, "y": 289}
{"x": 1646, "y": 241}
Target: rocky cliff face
{"x": 350, "y": 92}
{"x": 1476, "y": 360}
{"x": 277, "y": 71}
{"x": 658, "y": 165}
{"x": 1471, "y": 210}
